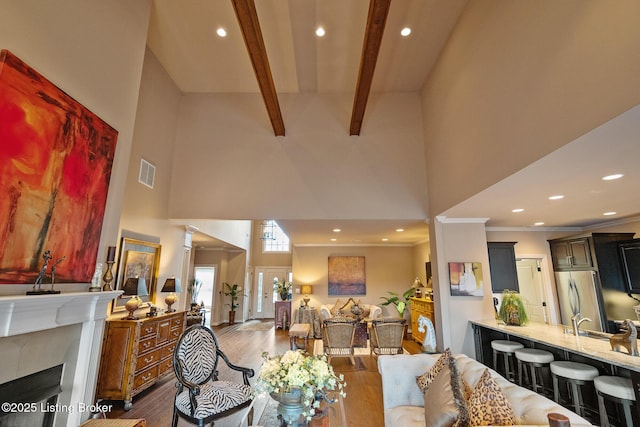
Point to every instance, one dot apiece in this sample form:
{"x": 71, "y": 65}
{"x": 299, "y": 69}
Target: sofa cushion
{"x": 425, "y": 380}
{"x": 488, "y": 405}
{"x": 444, "y": 404}
{"x": 336, "y": 307}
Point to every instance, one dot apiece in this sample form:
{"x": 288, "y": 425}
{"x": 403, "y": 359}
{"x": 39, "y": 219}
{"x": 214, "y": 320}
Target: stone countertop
{"x": 554, "y": 335}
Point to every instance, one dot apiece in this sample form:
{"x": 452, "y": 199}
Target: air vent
{"x": 147, "y": 173}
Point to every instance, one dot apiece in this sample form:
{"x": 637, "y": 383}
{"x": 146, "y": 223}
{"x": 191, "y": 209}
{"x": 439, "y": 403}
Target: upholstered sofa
{"x": 343, "y": 307}
{"x": 404, "y": 402}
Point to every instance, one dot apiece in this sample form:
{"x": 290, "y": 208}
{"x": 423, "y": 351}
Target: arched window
{"x": 275, "y": 240}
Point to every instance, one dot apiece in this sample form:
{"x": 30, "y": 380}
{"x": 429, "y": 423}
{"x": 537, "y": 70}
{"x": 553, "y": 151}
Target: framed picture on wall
{"x": 137, "y": 259}
{"x": 465, "y": 279}
{"x": 347, "y": 275}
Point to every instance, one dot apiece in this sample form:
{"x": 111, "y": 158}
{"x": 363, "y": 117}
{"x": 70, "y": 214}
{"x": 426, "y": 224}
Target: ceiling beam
{"x": 377, "y": 19}
{"x": 250, "y": 26}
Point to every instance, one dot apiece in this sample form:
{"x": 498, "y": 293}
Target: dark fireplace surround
{"x": 31, "y": 400}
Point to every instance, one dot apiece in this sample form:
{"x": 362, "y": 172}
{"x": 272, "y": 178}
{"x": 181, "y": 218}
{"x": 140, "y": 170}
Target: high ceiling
{"x": 182, "y": 35}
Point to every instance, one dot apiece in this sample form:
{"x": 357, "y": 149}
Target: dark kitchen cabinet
{"x": 570, "y": 254}
{"x": 595, "y": 251}
{"x": 630, "y": 253}
{"x": 502, "y": 265}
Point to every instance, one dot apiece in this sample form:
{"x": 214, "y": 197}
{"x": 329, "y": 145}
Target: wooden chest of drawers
{"x": 136, "y": 354}
{"x": 424, "y": 307}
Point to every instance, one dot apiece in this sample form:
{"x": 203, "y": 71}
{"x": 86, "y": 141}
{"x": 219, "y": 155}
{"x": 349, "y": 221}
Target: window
{"x": 279, "y": 242}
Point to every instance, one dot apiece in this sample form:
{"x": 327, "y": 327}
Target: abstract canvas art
{"x": 347, "y": 275}
{"x": 55, "y": 164}
{"x": 465, "y": 278}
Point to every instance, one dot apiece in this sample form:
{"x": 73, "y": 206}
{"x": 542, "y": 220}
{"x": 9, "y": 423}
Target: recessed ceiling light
{"x": 399, "y": 230}
{"x": 538, "y": 223}
{"x": 556, "y": 197}
{"x": 384, "y": 239}
{"x": 333, "y": 239}
{"x": 405, "y": 31}
{"x": 612, "y": 177}
{"x": 336, "y": 230}
{"x": 518, "y": 210}
{"x": 609, "y": 213}
{"x": 320, "y": 32}
{"x": 221, "y": 32}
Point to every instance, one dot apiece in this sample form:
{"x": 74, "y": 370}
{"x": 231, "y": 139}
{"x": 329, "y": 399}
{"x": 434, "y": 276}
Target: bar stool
{"x": 534, "y": 360}
{"x": 506, "y": 349}
{"x": 575, "y": 375}
{"x": 618, "y": 390}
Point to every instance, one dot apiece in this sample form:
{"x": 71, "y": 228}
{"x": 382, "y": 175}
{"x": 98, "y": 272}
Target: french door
{"x": 263, "y": 306}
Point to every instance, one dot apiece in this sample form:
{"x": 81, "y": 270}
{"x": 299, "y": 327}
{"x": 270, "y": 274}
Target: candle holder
{"x": 108, "y": 277}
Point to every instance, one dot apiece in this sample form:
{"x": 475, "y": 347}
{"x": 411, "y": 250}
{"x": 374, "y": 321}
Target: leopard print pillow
{"x": 425, "y": 380}
{"x": 488, "y": 405}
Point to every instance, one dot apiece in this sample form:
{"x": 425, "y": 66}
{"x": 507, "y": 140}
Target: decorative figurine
{"x": 627, "y": 339}
{"x": 53, "y": 275}
{"x": 429, "y": 343}
{"x": 37, "y": 286}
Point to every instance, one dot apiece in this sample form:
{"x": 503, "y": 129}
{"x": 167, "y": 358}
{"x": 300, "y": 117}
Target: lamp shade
{"x": 131, "y": 286}
{"x": 142, "y": 287}
{"x": 306, "y": 289}
{"x": 172, "y": 285}
{"x": 135, "y": 286}
{"x": 417, "y": 283}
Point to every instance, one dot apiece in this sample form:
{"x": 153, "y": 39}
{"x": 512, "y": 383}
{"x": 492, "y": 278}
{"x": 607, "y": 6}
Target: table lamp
{"x": 134, "y": 287}
{"x": 306, "y": 290}
{"x": 171, "y": 285}
{"x": 417, "y": 285}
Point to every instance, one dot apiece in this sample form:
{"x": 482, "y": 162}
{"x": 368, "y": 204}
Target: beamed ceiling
{"x": 271, "y": 48}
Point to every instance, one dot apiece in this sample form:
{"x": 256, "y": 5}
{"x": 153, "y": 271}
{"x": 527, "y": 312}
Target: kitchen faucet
{"x": 577, "y": 321}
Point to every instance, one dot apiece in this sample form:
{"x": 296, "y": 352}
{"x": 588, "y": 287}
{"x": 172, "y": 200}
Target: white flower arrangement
{"x": 311, "y": 374}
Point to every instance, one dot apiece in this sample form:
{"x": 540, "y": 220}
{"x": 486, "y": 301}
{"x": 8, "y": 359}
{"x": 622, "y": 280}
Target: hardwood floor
{"x": 363, "y": 404}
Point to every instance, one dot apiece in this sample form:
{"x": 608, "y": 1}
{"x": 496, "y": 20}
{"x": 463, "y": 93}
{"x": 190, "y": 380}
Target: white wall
{"x": 317, "y": 171}
{"x": 459, "y": 242}
{"x": 519, "y": 79}
{"x": 386, "y": 269}
{"x": 76, "y": 45}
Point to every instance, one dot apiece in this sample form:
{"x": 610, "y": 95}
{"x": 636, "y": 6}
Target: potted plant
{"x": 399, "y": 301}
{"x": 232, "y": 291}
{"x": 283, "y": 288}
{"x": 512, "y": 311}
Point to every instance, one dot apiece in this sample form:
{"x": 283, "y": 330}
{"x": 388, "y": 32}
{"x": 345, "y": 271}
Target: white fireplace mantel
{"x": 23, "y": 314}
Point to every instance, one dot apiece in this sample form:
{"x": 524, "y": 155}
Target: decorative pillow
{"x": 347, "y": 306}
{"x": 366, "y": 310}
{"x": 444, "y": 404}
{"x": 334, "y": 310}
{"x": 488, "y": 405}
{"x": 427, "y": 378}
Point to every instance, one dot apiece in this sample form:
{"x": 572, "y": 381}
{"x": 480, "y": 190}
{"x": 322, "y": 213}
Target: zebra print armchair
{"x": 201, "y": 397}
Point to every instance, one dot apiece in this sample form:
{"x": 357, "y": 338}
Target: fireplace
{"x": 31, "y": 400}
{"x": 53, "y": 335}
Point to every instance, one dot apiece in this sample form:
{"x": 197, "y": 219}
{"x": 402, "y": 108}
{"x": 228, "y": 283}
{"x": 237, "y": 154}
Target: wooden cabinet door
{"x": 561, "y": 255}
{"x": 580, "y": 253}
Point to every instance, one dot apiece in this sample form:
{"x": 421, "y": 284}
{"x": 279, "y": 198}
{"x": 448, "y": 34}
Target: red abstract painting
{"x": 55, "y": 165}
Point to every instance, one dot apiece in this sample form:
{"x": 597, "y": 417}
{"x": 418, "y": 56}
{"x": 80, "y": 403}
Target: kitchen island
{"x": 593, "y": 350}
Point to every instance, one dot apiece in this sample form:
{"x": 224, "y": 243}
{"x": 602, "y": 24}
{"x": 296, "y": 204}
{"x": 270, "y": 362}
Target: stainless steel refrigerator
{"x": 578, "y": 292}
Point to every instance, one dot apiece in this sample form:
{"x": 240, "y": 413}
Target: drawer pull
{"x": 148, "y": 360}
{"x": 148, "y": 330}
{"x": 147, "y": 344}
{"x": 178, "y": 321}
{"x": 164, "y": 324}
{"x": 146, "y": 376}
